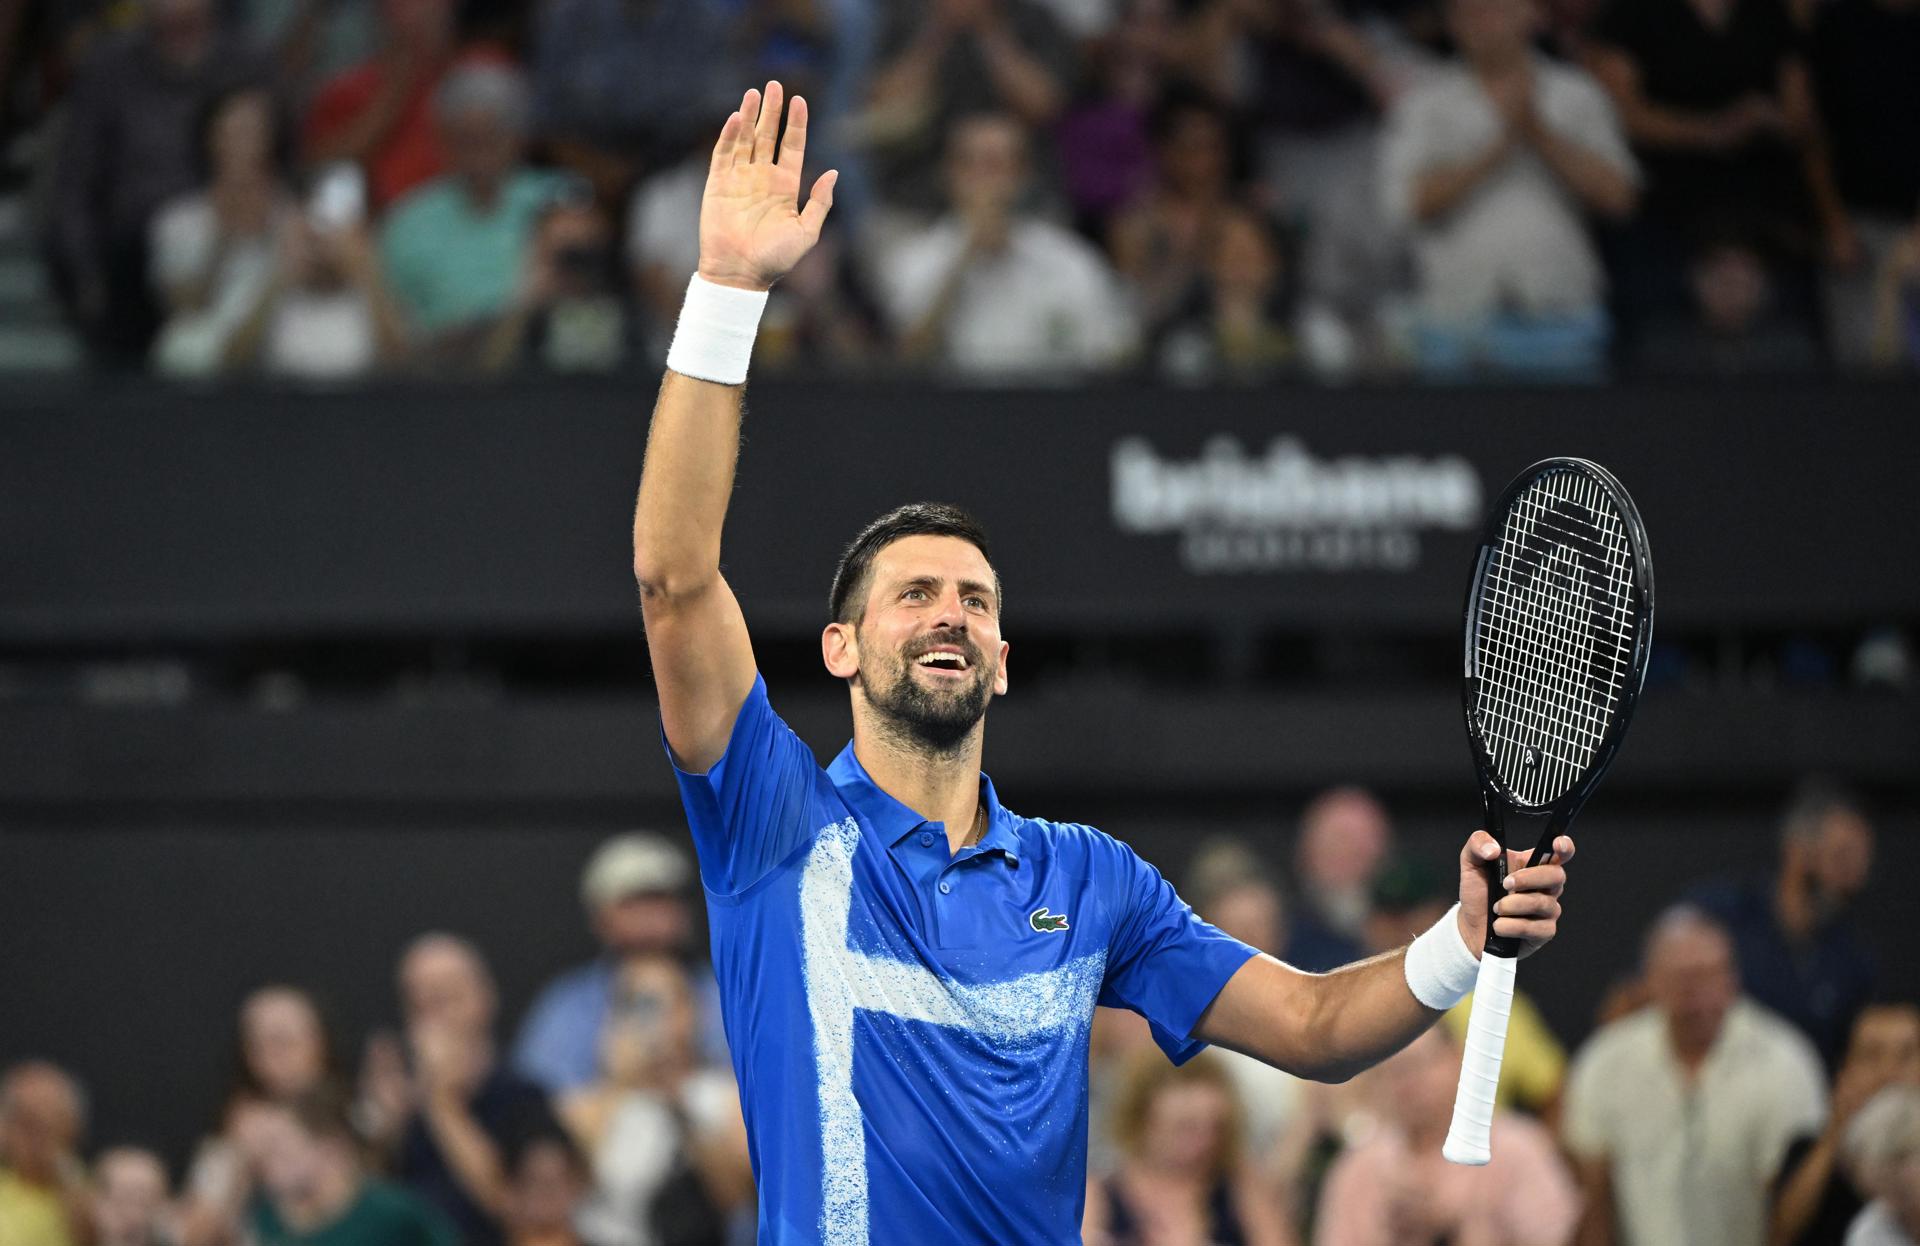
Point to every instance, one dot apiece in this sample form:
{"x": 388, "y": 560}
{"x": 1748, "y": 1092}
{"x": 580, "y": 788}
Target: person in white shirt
{"x": 1883, "y": 1148}
{"x": 1494, "y": 166}
{"x": 1677, "y": 1115}
{"x": 989, "y": 293}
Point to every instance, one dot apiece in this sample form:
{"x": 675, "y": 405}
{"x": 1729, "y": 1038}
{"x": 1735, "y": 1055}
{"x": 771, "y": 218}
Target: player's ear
{"x": 840, "y": 650}
{"x": 1000, "y": 671}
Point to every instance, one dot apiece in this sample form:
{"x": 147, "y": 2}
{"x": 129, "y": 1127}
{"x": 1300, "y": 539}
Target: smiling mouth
{"x": 942, "y": 662}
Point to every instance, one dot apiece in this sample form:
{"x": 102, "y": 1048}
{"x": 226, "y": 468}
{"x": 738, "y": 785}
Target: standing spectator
{"x": 1345, "y": 835}
{"x": 1815, "y": 1197}
{"x": 547, "y": 1181}
{"x": 448, "y": 1111}
{"x": 43, "y": 1198}
{"x": 1863, "y": 55}
{"x": 634, "y": 889}
{"x": 623, "y": 87}
{"x": 454, "y": 249}
{"x": 213, "y": 251}
{"x": 991, "y": 293}
{"x": 380, "y": 114}
{"x": 314, "y": 1192}
{"x": 949, "y": 59}
{"x": 131, "y": 144}
{"x": 1677, "y": 1115}
{"x": 1798, "y": 951}
{"x": 130, "y": 1199}
{"x": 1493, "y": 165}
{"x": 1393, "y": 1187}
{"x": 1884, "y": 1145}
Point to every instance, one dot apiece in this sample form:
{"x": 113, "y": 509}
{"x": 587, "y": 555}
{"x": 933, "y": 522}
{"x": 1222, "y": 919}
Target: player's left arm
{"x": 1330, "y": 1026}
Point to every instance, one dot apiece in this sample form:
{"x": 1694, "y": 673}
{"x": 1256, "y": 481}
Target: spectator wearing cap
{"x": 448, "y": 1111}
{"x": 42, "y": 1184}
{"x": 1799, "y": 951}
{"x": 455, "y": 249}
{"x": 635, "y": 892}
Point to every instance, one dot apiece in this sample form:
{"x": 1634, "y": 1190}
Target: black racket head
{"x": 1559, "y": 623}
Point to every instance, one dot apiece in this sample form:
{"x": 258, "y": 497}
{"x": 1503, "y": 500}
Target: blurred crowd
{"x": 1751, "y": 1084}
{"x": 1201, "y": 190}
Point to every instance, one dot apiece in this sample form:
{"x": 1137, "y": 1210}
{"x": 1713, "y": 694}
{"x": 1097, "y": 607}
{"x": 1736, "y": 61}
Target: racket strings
{"x": 1555, "y": 639}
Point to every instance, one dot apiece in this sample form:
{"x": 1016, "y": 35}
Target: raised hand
{"x": 752, "y": 228}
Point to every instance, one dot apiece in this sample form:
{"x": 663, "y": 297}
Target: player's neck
{"x": 941, "y": 786}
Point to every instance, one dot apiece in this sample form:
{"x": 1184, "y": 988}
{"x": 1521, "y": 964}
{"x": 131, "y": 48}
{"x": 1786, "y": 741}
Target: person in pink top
{"x": 1394, "y": 1189}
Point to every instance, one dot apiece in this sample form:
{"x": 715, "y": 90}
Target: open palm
{"x": 752, "y": 229}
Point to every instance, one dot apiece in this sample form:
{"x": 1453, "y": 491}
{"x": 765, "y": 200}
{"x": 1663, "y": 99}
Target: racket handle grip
{"x": 1470, "y": 1137}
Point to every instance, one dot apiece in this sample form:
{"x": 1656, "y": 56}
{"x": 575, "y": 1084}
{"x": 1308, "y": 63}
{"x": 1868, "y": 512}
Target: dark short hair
{"x": 1813, "y": 801}
{"x": 854, "y": 575}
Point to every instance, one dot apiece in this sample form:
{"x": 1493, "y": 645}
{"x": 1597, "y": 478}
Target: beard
{"x": 929, "y": 720}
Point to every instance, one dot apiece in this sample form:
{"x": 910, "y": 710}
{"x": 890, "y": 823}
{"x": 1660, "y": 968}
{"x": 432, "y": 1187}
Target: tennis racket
{"x": 1559, "y": 619}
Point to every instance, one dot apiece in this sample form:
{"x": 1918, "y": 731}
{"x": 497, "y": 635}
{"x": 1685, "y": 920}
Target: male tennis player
{"x": 908, "y": 969}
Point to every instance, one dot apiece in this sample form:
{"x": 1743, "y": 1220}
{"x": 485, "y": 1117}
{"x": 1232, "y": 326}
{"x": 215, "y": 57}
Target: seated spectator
{"x": 991, "y": 293}
{"x": 1718, "y": 1088}
{"x": 821, "y": 318}
{"x": 381, "y": 114}
{"x": 950, "y": 59}
{"x": 1884, "y": 1147}
{"x": 455, "y": 248}
{"x": 130, "y": 144}
{"x": 547, "y": 1181}
{"x": 447, "y": 1111}
{"x": 621, "y": 89}
{"x": 1815, "y": 1197}
{"x": 571, "y": 313}
{"x": 130, "y": 1199}
{"x": 327, "y": 315}
{"x": 1493, "y": 166}
{"x": 1344, "y": 836}
{"x": 1394, "y": 1187}
{"x": 1798, "y": 950}
{"x": 1896, "y": 304}
{"x": 663, "y": 1132}
{"x": 1740, "y": 320}
{"x": 1863, "y": 54}
{"x": 1233, "y": 328}
{"x": 1181, "y": 1176}
{"x": 213, "y": 251}
{"x": 43, "y": 1195}
{"x": 314, "y": 1192}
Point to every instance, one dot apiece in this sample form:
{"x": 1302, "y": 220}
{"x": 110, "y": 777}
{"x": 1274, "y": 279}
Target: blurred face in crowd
{"x": 1343, "y": 838}
{"x": 293, "y": 1163}
{"x": 282, "y": 1042}
{"x": 39, "y": 1121}
{"x": 1194, "y": 154}
{"x": 1692, "y": 979}
{"x": 642, "y": 922}
{"x": 651, "y": 1023}
{"x": 986, "y": 164}
{"x": 1835, "y": 860}
{"x": 579, "y": 242}
{"x": 240, "y": 140}
{"x": 1186, "y": 1127}
{"x": 1885, "y": 1046}
{"x": 482, "y": 146}
{"x": 1731, "y": 288}
{"x": 1416, "y": 1087}
{"x": 1491, "y": 30}
{"x": 130, "y": 1193}
{"x": 444, "y": 986}
{"x": 547, "y": 1186}
{"x": 1252, "y": 913}
{"x": 1242, "y": 261}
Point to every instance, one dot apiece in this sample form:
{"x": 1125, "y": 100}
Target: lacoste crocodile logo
{"x": 1045, "y": 922}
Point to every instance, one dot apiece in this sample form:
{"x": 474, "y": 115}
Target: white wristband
{"x": 714, "y": 339}
{"x": 1441, "y": 968}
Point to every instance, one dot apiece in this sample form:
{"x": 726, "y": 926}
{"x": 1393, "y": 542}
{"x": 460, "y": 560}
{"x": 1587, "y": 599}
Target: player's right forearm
{"x": 691, "y": 448}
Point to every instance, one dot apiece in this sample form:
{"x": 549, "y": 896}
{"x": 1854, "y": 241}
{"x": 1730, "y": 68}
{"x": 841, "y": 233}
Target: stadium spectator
{"x": 1235, "y": 326}
{"x": 1493, "y": 166}
{"x": 327, "y": 315}
{"x": 634, "y": 889}
{"x": 663, "y": 244}
{"x": 950, "y": 59}
{"x": 43, "y": 1194}
{"x": 1815, "y": 1197}
{"x": 622, "y": 89}
{"x": 1103, "y": 143}
{"x": 129, "y": 1206}
{"x": 454, "y": 249}
{"x": 314, "y": 1192}
{"x": 1408, "y": 897}
{"x": 1884, "y": 1147}
{"x": 1394, "y": 1187}
{"x": 1798, "y": 950}
{"x": 1181, "y": 1176}
{"x": 1863, "y": 54}
{"x": 447, "y": 1111}
{"x": 991, "y": 293}
{"x": 821, "y": 317}
{"x": 663, "y": 1132}
{"x": 1741, "y": 319}
{"x": 380, "y": 114}
{"x": 1677, "y": 1115}
{"x": 1344, "y": 837}
{"x": 130, "y": 144}
{"x": 213, "y": 251}
{"x": 547, "y": 1181}
{"x": 571, "y": 312}
{"x": 1896, "y": 304}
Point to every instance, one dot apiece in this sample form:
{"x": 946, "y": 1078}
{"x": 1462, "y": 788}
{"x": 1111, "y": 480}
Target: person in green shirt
{"x": 314, "y": 1191}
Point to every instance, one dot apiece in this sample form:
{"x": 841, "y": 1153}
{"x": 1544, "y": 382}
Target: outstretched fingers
{"x": 793, "y": 143}
{"x": 766, "y": 131}
{"x": 819, "y": 202}
{"x": 743, "y": 133}
{"x": 724, "y": 146}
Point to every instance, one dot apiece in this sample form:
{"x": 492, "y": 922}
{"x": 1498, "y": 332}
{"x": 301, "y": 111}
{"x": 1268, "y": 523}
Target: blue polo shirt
{"x": 909, "y": 1028}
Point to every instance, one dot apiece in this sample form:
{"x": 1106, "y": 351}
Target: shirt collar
{"x": 895, "y": 821}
